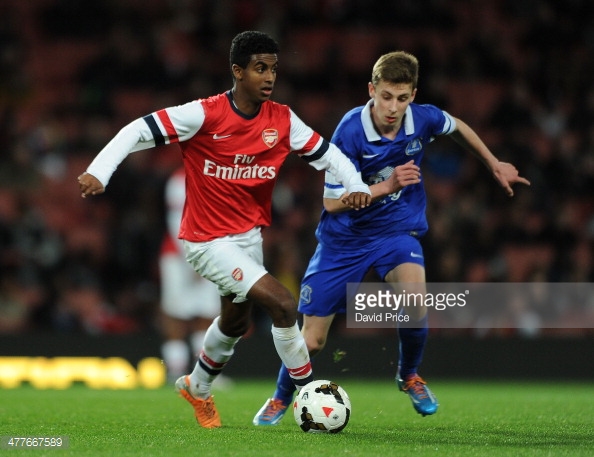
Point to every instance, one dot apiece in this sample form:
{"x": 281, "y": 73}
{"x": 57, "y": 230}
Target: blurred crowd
{"x": 73, "y": 73}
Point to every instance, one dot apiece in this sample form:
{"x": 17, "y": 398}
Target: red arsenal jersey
{"x": 232, "y": 161}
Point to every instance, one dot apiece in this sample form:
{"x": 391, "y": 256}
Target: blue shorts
{"x": 324, "y": 286}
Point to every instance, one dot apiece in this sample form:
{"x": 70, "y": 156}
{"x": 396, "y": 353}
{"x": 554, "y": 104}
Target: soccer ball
{"x": 322, "y": 407}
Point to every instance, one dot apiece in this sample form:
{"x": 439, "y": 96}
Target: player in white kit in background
{"x": 189, "y": 302}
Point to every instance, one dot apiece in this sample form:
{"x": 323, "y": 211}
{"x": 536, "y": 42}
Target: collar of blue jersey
{"x": 369, "y": 129}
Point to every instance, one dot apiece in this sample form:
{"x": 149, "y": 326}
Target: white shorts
{"x": 184, "y": 294}
{"x": 234, "y": 262}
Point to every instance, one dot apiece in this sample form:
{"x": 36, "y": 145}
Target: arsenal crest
{"x": 237, "y": 274}
{"x": 270, "y": 137}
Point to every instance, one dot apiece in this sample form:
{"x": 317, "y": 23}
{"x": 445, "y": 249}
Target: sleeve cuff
{"x": 359, "y": 188}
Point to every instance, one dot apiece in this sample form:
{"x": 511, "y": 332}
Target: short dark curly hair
{"x": 248, "y": 43}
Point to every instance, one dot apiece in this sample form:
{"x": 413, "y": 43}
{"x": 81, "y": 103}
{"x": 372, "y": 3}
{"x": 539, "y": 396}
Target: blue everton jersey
{"x": 376, "y": 157}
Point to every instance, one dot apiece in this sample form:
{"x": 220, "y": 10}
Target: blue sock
{"x": 285, "y": 388}
{"x": 412, "y": 345}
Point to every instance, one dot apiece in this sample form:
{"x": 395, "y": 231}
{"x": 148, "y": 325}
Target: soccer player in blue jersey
{"x": 385, "y": 139}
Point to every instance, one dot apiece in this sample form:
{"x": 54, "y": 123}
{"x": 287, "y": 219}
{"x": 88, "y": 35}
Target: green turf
{"x": 474, "y": 419}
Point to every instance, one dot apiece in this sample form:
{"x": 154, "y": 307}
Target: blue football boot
{"x": 420, "y": 395}
{"x": 271, "y": 413}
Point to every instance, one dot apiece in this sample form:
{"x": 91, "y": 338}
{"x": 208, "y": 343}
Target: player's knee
{"x": 284, "y": 311}
{"x": 276, "y": 300}
{"x": 287, "y": 311}
{"x": 315, "y": 343}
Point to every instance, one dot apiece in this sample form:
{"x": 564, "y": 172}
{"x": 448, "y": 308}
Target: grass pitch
{"x": 474, "y": 419}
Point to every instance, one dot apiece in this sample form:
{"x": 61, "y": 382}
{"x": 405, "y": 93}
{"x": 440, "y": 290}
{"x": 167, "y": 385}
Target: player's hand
{"x": 357, "y": 200}
{"x": 507, "y": 175}
{"x": 89, "y": 185}
{"x": 404, "y": 175}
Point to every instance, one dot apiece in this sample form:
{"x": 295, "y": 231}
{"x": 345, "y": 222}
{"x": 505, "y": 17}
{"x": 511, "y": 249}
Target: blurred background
{"x": 81, "y": 276}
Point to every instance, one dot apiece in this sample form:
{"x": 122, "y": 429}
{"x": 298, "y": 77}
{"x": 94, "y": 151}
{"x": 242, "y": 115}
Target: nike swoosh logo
{"x": 414, "y": 254}
{"x": 219, "y": 137}
{"x": 369, "y": 156}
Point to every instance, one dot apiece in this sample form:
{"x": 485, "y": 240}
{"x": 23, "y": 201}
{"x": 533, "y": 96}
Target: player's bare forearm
{"x": 402, "y": 176}
{"x": 89, "y": 185}
{"x": 505, "y": 173}
{"x": 466, "y": 137}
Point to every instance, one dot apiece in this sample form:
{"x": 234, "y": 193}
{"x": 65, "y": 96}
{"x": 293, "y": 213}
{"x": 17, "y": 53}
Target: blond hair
{"x": 396, "y": 67}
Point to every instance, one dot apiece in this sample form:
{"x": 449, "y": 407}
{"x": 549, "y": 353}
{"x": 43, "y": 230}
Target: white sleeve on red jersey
{"x": 323, "y": 155}
{"x": 165, "y": 126}
{"x": 133, "y": 137}
{"x": 340, "y": 166}
{"x": 178, "y": 123}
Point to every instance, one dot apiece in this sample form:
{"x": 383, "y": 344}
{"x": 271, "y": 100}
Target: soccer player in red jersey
{"x": 233, "y": 145}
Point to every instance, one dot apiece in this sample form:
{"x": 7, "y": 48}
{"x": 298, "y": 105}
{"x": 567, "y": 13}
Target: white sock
{"x": 176, "y": 356}
{"x": 216, "y": 352}
{"x": 292, "y": 350}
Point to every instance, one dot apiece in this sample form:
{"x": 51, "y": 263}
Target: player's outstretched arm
{"x": 505, "y": 173}
{"x": 135, "y": 136}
